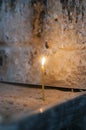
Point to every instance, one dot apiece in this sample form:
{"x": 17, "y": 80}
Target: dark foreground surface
{"x": 23, "y": 109}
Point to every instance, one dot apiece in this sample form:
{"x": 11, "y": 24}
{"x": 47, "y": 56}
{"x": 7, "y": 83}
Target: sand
{"x": 16, "y": 99}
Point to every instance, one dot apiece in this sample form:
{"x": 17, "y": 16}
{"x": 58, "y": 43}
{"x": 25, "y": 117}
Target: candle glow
{"x": 43, "y": 61}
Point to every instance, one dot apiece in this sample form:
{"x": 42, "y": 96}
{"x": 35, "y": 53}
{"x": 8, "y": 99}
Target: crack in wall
{"x": 39, "y": 7}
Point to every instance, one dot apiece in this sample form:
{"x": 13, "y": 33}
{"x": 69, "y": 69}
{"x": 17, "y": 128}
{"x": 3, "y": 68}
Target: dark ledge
{"x": 61, "y": 88}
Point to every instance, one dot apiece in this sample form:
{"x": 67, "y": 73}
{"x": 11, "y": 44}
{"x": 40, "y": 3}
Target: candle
{"x": 43, "y": 63}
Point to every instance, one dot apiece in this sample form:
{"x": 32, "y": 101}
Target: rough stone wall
{"x": 30, "y": 29}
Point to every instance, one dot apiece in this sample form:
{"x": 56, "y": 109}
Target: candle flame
{"x": 43, "y": 60}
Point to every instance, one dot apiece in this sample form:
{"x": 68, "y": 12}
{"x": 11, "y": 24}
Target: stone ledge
{"x": 65, "y": 116}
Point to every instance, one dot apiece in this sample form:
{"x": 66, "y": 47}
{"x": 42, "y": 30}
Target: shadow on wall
{"x": 70, "y": 115}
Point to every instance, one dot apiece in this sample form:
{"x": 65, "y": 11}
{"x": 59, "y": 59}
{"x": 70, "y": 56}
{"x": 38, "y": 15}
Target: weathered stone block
{"x": 56, "y": 29}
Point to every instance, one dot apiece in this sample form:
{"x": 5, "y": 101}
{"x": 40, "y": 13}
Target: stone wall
{"x": 33, "y": 28}
{"x": 70, "y": 115}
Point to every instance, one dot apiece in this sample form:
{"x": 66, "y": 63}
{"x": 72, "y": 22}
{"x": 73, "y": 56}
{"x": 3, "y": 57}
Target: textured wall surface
{"x": 70, "y": 115}
{"x": 30, "y": 29}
